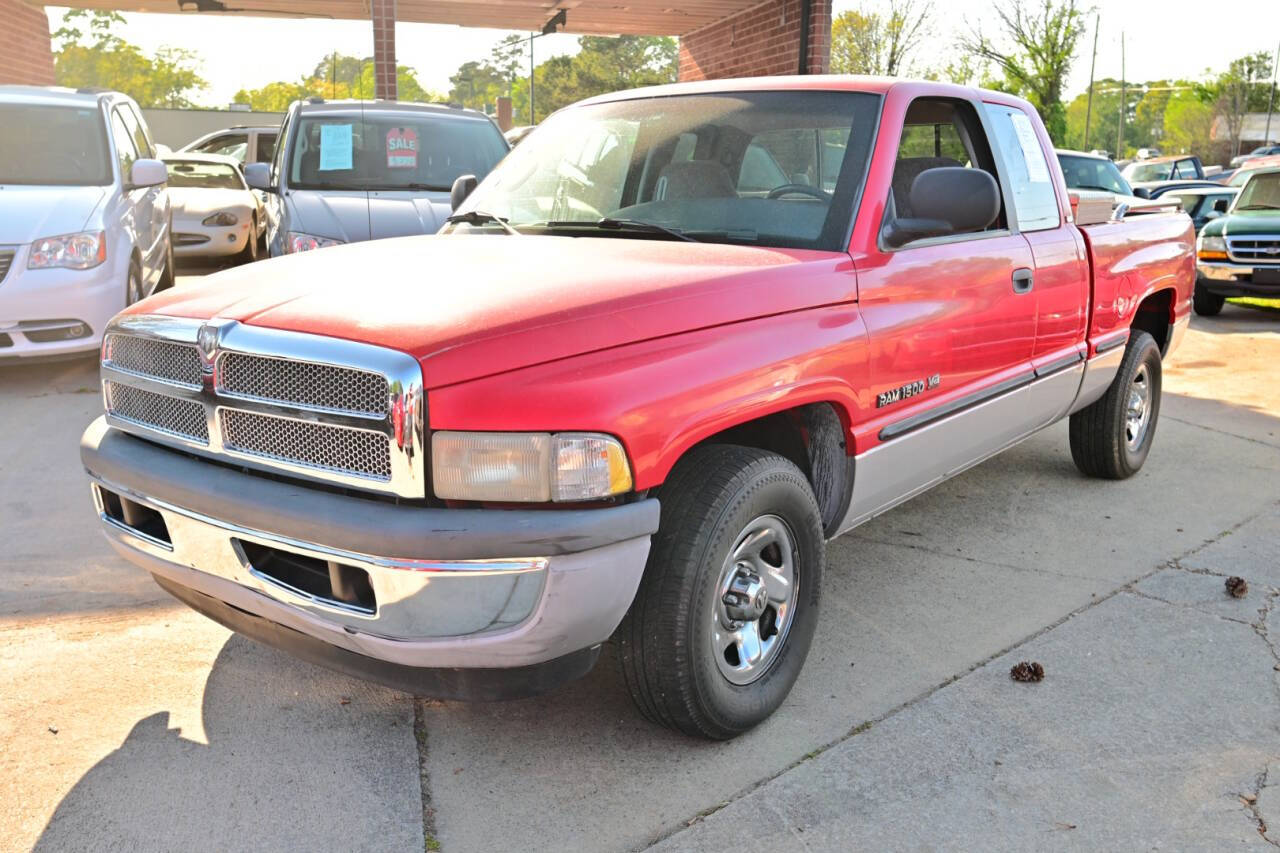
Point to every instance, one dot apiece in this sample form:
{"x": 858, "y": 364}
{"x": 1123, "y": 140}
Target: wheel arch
{"x": 1155, "y": 315}
{"x": 814, "y": 436}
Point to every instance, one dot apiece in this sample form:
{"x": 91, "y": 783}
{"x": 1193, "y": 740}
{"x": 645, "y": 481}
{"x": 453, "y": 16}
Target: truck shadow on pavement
{"x": 296, "y": 758}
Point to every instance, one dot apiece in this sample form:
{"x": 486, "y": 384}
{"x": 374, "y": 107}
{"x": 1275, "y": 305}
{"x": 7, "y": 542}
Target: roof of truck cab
{"x": 386, "y": 107}
{"x": 808, "y": 83}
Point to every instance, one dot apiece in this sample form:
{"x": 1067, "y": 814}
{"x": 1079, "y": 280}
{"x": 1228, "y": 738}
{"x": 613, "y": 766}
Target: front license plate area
{"x": 1266, "y": 276}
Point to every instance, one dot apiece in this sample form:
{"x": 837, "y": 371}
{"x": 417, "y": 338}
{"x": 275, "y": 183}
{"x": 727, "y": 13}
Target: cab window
{"x": 264, "y": 147}
{"x": 938, "y": 133}
{"x": 229, "y": 145}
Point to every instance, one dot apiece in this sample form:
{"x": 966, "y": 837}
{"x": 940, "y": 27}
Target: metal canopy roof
{"x": 589, "y": 17}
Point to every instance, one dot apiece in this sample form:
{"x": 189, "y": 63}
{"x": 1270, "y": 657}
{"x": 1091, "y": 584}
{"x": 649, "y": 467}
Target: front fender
{"x": 661, "y": 397}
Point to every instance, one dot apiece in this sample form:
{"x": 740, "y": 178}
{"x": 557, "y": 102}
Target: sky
{"x": 1170, "y": 39}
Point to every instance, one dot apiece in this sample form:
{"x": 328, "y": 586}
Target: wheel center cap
{"x": 746, "y": 598}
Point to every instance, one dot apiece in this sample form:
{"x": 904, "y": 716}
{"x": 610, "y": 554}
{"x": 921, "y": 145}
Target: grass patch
{"x": 1272, "y": 305}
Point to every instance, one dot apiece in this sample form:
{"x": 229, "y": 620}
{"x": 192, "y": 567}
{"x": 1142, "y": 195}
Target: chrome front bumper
{"x": 502, "y": 593}
{"x": 1233, "y": 279}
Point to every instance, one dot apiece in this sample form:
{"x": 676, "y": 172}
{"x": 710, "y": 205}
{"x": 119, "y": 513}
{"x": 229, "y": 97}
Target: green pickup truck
{"x": 1239, "y": 254}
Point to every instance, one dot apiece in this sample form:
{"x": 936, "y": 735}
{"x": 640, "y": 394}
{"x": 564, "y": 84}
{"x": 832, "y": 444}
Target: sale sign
{"x": 402, "y": 148}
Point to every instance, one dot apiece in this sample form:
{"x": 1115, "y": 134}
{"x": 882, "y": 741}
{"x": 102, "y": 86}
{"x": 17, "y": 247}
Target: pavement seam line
{"x": 977, "y": 560}
{"x": 1220, "y": 431}
{"x": 430, "y": 844}
{"x": 867, "y": 725}
{"x": 1251, "y": 805}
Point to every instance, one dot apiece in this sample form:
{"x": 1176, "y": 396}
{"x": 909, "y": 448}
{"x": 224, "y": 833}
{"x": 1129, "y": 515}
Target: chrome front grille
{"x": 183, "y": 418}
{"x": 162, "y": 360}
{"x": 316, "y": 386}
{"x": 1255, "y": 248}
{"x": 329, "y": 448}
{"x": 6, "y": 261}
{"x": 315, "y": 407}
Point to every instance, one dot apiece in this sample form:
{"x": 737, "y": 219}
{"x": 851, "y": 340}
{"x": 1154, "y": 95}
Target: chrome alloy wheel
{"x": 1137, "y": 416}
{"x": 752, "y": 610}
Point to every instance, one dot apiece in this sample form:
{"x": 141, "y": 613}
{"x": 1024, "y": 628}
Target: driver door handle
{"x": 1023, "y": 278}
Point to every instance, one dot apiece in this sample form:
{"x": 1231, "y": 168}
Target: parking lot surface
{"x": 128, "y": 722}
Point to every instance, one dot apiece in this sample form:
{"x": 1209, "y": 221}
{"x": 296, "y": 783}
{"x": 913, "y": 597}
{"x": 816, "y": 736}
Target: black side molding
{"x": 968, "y": 401}
{"x": 1060, "y": 364}
{"x": 1111, "y": 344}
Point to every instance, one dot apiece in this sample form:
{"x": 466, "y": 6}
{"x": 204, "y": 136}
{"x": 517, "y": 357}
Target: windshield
{"x": 1262, "y": 192}
{"x": 193, "y": 173}
{"x": 1150, "y": 171}
{"x": 768, "y": 168}
{"x": 381, "y": 151}
{"x": 1090, "y": 173}
{"x": 53, "y": 145}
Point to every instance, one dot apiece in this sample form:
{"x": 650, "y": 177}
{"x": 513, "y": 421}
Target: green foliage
{"x": 89, "y": 54}
{"x": 1034, "y": 52}
{"x": 602, "y": 64}
{"x": 335, "y": 77}
{"x": 868, "y": 42}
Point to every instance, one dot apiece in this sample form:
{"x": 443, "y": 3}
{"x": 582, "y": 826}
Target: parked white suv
{"x": 84, "y": 217}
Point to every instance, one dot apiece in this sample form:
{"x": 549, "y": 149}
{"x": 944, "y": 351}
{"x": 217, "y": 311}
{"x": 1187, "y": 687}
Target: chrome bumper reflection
{"x": 415, "y": 599}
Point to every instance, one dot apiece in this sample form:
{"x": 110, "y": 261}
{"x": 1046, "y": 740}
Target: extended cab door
{"x": 950, "y": 323}
{"x": 1059, "y": 288}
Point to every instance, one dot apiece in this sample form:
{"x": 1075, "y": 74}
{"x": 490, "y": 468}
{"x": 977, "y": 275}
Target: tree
{"x": 1238, "y": 92}
{"x": 274, "y": 97}
{"x": 1034, "y": 53}
{"x": 1188, "y": 123}
{"x": 90, "y": 54}
{"x": 865, "y": 42}
{"x": 335, "y": 77}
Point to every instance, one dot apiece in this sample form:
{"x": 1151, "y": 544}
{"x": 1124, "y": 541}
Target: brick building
{"x": 718, "y": 38}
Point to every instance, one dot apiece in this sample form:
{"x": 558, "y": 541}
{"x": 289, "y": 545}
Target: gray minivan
{"x": 350, "y": 170}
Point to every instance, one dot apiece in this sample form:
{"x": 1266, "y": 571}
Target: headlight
{"x": 73, "y": 251}
{"x": 296, "y": 241}
{"x": 527, "y": 467}
{"x": 1211, "y": 249}
{"x": 222, "y": 218}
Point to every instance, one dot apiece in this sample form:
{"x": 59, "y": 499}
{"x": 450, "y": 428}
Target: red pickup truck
{"x": 677, "y": 340}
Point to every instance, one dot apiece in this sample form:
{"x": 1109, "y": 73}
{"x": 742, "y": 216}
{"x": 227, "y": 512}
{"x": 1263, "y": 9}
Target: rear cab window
{"x": 1034, "y": 201}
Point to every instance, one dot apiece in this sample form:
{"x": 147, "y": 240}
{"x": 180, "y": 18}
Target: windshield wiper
{"x": 479, "y": 217}
{"x": 432, "y": 188}
{"x": 1096, "y": 187}
{"x": 610, "y": 224}
{"x": 1259, "y": 207}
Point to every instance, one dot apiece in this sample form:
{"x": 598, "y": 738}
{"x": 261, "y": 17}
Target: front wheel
{"x": 726, "y": 611}
{"x": 1111, "y": 437}
{"x": 1206, "y": 304}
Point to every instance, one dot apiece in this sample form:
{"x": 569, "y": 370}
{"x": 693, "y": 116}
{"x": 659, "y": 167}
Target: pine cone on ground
{"x": 1237, "y": 587}
{"x": 1027, "y": 671}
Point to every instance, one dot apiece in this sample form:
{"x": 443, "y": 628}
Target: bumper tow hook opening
{"x": 325, "y": 581}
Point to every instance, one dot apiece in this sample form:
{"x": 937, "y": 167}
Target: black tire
{"x": 133, "y": 284}
{"x": 249, "y": 253}
{"x": 666, "y": 647}
{"x": 170, "y": 271}
{"x": 1206, "y": 304}
{"x": 1101, "y": 433}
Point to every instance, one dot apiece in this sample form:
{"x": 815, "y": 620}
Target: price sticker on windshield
{"x": 1037, "y": 169}
{"x": 402, "y": 148}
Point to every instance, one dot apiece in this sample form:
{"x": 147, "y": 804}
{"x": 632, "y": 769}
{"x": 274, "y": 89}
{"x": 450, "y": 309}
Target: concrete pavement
{"x": 171, "y": 732}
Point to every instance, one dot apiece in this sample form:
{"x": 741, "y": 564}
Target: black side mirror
{"x": 1142, "y": 192}
{"x": 944, "y": 201}
{"x": 1221, "y": 205}
{"x": 462, "y": 188}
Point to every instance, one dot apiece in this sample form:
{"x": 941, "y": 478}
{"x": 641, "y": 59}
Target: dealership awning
{"x": 589, "y": 17}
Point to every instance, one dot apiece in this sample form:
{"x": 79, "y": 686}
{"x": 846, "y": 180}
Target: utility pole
{"x": 333, "y": 78}
{"x": 1271, "y": 100}
{"x": 1088, "y": 110}
{"x": 532, "y": 119}
{"x": 1123, "y": 104}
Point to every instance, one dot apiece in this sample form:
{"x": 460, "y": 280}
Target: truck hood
{"x": 1244, "y": 222}
{"x": 355, "y": 216}
{"x": 474, "y": 305}
{"x": 29, "y": 213}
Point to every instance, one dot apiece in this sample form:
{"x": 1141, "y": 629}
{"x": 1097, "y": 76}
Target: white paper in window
{"x": 335, "y": 147}
{"x": 1037, "y": 170}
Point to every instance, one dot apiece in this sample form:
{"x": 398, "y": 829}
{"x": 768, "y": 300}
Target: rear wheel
{"x": 1112, "y": 436}
{"x": 726, "y": 611}
{"x": 1206, "y": 304}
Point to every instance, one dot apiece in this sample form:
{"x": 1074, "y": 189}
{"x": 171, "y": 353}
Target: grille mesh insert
{"x": 185, "y": 418}
{"x": 149, "y": 357}
{"x": 303, "y": 383}
{"x": 1265, "y": 249}
{"x": 331, "y": 448}
{"x": 6, "y": 260}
